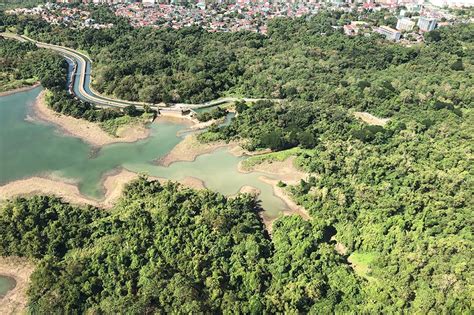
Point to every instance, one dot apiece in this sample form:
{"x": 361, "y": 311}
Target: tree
{"x": 131, "y": 110}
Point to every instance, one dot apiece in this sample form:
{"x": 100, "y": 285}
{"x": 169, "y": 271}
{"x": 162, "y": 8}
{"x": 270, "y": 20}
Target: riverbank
{"x": 285, "y": 170}
{"x": 112, "y": 184}
{"x": 190, "y": 148}
{"x": 18, "y": 90}
{"x": 276, "y": 171}
{"x": 89, "y": 132}
{"x": 20, "y": 269}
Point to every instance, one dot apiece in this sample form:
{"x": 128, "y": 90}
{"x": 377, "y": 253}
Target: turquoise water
{"x": 6, "y": 284}
{"x": 29, "y": 148}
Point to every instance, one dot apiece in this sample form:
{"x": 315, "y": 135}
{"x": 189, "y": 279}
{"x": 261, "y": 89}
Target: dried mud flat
{"x": 89, "y": 132}
{"x": 20, "y": 269}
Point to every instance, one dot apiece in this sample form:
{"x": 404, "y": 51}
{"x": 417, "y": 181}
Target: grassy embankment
{"x": 112, "y": 126}
{"x": 279, "y": 156}
{"x": 8, "y": 84}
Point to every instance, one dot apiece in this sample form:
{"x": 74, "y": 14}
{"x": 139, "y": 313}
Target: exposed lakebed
{"x": 33, "y": 148}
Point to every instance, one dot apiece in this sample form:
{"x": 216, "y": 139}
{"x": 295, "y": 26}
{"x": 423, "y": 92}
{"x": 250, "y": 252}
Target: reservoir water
{"x": 6, "y": 284}
{"x": 30, "y": 148}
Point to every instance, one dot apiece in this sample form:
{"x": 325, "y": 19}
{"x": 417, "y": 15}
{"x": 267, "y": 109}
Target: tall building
{"x": 389, "y": 33}
{"x": 405, "y": 24}
{"x": 426, "y": 24}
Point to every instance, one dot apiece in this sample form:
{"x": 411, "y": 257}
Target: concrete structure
{"x": 405, "y": 24}
{"x": 389, "y": 33}
{"x": 452, "y": 3}
{"x": 426, "y": 24}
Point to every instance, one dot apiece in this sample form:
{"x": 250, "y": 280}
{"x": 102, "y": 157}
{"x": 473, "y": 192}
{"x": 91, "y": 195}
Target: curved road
{"x": 82, "y": 89}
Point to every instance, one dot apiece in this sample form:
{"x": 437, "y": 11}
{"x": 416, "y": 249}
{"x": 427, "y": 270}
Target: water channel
{"x": 32, "y": 148}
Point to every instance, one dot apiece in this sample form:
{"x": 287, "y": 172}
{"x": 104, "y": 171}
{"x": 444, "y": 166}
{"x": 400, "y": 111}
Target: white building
{"x": 426, "y": 24}
{"x": 452, "y": 3}
{"x": 389, "y": 33}
{"x": 405, "y": 24}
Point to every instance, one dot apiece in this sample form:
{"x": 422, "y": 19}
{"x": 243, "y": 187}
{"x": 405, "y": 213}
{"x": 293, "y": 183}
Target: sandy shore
{"x": 184, "y": 120}
{"x": 284, "y": 171}
{"x": 279, "y": 192}
{"x": 206, "y": 124}
{"x": 113, "y": 185}
{"x": 238, "y": 150}
{"x": 190, "y": 148}
{"x": 85, "y": 130}
{"x": 18, "y": 90}
{"x": 45, "y": 186}
{"x": 192, "y": 182}
{"x": 19, "y": 269}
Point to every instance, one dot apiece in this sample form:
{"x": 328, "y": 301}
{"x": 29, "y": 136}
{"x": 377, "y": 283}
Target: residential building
{"x": 351, "y": 30}
{"x": 389, "y": 33}
{"x": 405, "y": 24}
{"x": 426, "y": 24}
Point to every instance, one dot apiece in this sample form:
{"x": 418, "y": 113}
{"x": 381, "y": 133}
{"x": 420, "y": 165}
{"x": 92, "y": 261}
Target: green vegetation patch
{"x": 165, "y": 248}
{"x": 361, "y": 263}
{"x": 279, "y": 156}
{"x": 112, "y": 125}
{"x": 23, "y": 64}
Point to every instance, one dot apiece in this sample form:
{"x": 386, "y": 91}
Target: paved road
{"x": 84, "y": 91}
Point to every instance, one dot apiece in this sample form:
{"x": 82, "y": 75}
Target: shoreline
{"x": 89, "y": 132}
{"x": 273, "y": 173}
{"x": 293, "y": 207}
{"x": 112, "y": 184}
{"x": 190, "y": 148}
{"x": 284, "y": 170}
{"x": 20, "y": 89}
{"x": 20, "y": 269}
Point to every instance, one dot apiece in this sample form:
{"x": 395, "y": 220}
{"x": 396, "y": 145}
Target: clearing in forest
{"x": 371, "y": 119}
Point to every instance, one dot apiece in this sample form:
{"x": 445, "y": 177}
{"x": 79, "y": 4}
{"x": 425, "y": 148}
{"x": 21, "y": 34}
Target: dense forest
{"x": 303, "y": 59}
{"x": 25, "y": 64}
{"x": 397, "y": 198}
{"x": 166, "y": 248}
{"x": 399, "y": 195}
